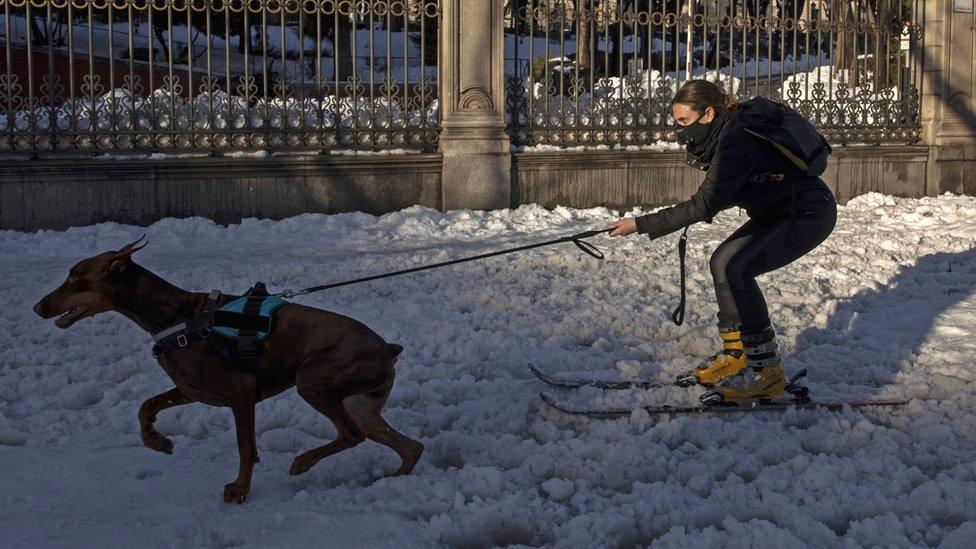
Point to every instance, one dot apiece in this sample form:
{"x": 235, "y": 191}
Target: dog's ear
{"x": 131, "y": 248}
{"x": 122, "y": 257}
{"x": 117, "y": 264}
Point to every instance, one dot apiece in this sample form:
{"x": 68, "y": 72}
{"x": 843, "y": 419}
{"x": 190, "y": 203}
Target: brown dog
{"x": 339, "y": 366}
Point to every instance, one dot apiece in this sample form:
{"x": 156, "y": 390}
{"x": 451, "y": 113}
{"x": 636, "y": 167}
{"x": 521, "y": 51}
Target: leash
{"x": 678, "y": 316}
{"x": 577, "y": 239}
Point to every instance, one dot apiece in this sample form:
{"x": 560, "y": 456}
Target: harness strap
{"x": 678, "y": 316}
{"x": 184, "y": 333}
{"x": 176, "y": 328}
{"x": 247, "y": 343}
{"x": 241, "y": 321}
{"x": 796, "y": 160}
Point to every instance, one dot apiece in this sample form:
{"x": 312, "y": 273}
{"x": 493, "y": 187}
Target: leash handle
{"x": 678, "y": 316}
{"x": 586, "y": 247}
{"x": 589, "y": 249}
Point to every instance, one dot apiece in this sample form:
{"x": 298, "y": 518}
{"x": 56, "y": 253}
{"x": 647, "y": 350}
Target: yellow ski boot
{"x": 762, "y": 380}
{"x": 727, "y": 363}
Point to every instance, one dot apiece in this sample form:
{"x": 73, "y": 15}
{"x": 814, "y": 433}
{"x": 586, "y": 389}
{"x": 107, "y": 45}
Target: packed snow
{"x": 886, "y": 307}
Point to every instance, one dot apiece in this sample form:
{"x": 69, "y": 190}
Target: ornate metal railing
{"x": 144, "y": 76}
{"x": 603, "y": 72}
{"x": 175, "y": 75}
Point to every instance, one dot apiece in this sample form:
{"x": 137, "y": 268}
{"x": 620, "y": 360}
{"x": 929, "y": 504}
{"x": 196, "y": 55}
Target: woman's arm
{"x": 731, "y": 168}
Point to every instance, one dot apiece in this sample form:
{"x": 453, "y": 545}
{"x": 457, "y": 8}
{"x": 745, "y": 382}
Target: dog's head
{"x": 89, "y": 288}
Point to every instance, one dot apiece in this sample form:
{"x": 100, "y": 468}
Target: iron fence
{"x": 603, "y": 72}
{"x": 176, "y": 75}
{"x": 97, "y": 76}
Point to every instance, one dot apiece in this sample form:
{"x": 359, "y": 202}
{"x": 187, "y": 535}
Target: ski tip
{"x": 550, "y": 400}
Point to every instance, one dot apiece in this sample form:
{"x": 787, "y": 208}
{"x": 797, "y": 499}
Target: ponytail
{"x": 701, "y": 94}
{"x": 731, "y": 103}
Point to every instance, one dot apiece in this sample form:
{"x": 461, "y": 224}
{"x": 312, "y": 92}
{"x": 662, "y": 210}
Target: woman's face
{"x": 686, "y": 114}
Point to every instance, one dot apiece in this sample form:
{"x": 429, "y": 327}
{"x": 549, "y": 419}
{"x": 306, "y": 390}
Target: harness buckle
{"x": 181, "y": 340}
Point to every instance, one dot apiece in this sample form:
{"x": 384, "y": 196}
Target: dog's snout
{"x": 41, "y": 308}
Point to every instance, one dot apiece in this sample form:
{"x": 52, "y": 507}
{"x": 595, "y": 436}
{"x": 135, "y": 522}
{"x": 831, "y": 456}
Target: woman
{"x": 790, "y": 213}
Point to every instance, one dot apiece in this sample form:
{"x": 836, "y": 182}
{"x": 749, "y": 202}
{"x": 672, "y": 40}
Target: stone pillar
{"x": 477, "y": 162}
{"x": 948, "y": 115}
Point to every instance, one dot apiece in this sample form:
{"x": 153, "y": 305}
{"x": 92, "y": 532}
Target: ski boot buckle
{"x": 800, "y": 394}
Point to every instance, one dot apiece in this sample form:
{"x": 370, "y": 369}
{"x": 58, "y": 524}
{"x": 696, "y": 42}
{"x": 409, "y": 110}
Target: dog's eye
{"x": 72, "y": 279}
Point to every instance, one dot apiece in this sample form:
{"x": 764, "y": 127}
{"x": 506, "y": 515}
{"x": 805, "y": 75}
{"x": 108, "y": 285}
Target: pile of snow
{"x": 657, "y": 146}
{"x": 886, "y": 307}
{"x": 164, "y": 110}
{"x": 831, "y": 93}
{"x": 637, "y": 101}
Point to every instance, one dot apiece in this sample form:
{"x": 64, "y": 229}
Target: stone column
{"x": 948, "y": 115}
{"x": 477, "y": 162}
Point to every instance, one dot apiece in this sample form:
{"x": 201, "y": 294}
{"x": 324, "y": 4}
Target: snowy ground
{"x": 886, "y": 307}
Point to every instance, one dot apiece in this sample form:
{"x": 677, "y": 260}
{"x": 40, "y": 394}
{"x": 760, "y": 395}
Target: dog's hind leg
{"x": 147, "y": 416}
{"x": 326, "y": 401}
{"x": 365, "y": 410}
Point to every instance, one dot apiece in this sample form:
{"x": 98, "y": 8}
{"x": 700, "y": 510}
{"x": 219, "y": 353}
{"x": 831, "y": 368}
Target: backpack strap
{"x": 796, "y": 160}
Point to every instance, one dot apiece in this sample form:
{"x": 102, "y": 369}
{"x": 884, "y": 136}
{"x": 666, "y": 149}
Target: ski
{"x": 579, "y": 382}
{"x": 555, "y": 403}
{"x": 576, "y": 383}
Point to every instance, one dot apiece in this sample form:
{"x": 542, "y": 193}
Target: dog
{"x": 338, "y": 365}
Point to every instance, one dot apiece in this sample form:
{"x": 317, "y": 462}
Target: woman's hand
{"x": 623, "y": 227}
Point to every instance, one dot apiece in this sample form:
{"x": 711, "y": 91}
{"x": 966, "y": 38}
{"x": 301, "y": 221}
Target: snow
{"x": 119, "y": 110}
{"x": 261, "y": 153}
{"x": 862, "y": 104}
{"x": 885, "y": 307}
{"x": 380, "y": 152}
{"x": 633, "y": 101}
{"x": 657, "y": 146}
{"x": 521, "y": 51}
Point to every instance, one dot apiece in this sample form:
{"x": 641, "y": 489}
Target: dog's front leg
{"x": 243, "y": 409}
{"x": 147, "y": 416}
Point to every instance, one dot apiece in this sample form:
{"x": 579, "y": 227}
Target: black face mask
{"x": 694, "y": 134}
{"x": 701, "y": 140}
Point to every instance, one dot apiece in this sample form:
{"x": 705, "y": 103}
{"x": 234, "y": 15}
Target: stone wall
{"x": 56, "y": 194}
{"x": 621, "y": 180}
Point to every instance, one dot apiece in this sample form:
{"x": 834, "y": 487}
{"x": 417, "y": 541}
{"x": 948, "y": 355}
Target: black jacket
{"x": 737, "y": 177}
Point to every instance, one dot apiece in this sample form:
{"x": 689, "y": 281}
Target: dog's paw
{"x": 156, "y": 441}
{"x": 303, "y": 463}
{"x": 236, "y": 493}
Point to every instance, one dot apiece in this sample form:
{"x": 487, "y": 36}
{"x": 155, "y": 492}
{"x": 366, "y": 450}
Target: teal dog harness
{"x": 234, "y": 328}
{"x": 237, "y": 316}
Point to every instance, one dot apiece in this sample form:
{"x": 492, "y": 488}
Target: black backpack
{"x": 788, "y": 131}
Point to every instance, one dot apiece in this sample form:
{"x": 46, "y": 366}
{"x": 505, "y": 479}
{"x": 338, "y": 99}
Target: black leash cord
{"x": 587, "y": 248}
{"x": 678, "y": 316}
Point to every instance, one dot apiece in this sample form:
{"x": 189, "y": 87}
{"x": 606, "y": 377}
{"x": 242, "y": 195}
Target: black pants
{"x": 760, "y": 247}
